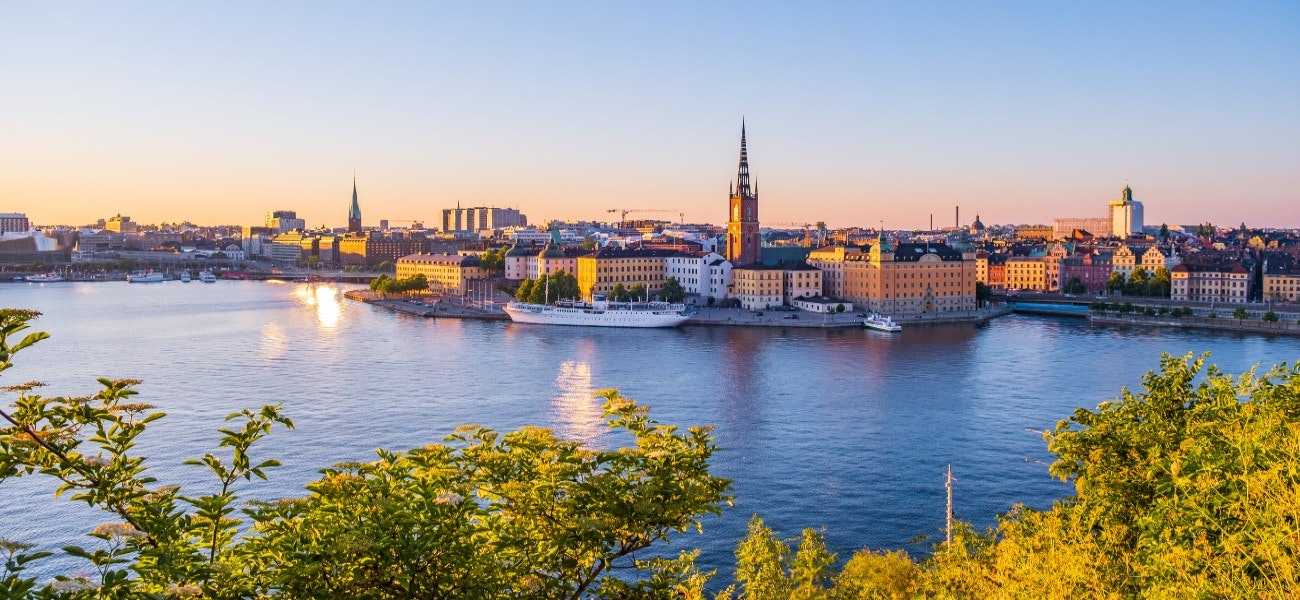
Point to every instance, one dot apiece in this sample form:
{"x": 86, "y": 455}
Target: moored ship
{"x": 600, "y": 313}
{"x": 44, "y": 277}
{"x": 880, "y": 322}
{"x": 145, "y": 277}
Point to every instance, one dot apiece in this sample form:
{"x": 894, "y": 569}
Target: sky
{"x": 858, "y": 113}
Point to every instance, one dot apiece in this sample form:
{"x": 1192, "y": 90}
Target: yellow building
{"x": 758, "y": 286}
{"x": 599, "y": 272}
{"x": 1027, "y": 273}
{"x": 448, "y": 274}
{"x": 911, "y": 279}
{"x": 800, "y": 281}
{"x": 1281, "y": 285}
{"x": 830, "y": 261}
{"x": 1210, "y": 282}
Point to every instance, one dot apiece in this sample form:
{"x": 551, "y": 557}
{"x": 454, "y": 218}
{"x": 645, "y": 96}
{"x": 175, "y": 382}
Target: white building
{"x": 1125, "y": 215}
{"x": 705, "y": 274}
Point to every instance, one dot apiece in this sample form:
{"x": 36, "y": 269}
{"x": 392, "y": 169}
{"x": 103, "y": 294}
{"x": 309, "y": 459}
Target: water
{"x": 845, "y": 429}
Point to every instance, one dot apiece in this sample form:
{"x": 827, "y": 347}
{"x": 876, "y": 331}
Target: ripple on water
{"x": 841, "y": 429}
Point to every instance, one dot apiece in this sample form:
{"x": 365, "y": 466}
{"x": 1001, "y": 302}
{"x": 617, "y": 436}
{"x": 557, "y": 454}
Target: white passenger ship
{"x": 600, "y": 313}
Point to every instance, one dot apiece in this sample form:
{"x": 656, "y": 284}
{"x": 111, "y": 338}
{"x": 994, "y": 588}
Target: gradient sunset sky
{"x": 857, "y": 112}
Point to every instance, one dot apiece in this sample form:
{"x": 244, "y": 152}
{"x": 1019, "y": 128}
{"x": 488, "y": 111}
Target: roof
{"x": 913, "y": 252}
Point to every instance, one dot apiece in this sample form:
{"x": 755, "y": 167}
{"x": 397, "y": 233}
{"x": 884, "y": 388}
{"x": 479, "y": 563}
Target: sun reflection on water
{"x": 577, "y": 411}
{"x": 325, "y": 298}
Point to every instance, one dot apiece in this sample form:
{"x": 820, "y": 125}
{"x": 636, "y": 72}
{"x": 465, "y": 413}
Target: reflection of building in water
{"x": 577, "y": 411}
{"x": 325, "y": 299}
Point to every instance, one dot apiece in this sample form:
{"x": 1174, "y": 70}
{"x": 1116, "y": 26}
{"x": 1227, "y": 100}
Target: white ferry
{"x": 880, "y": 322}
{"x": 145, "y": 277}
{"x": 600, "y": 313}
{"x": 207, "y": 276}
{"x": 44, "y": 277}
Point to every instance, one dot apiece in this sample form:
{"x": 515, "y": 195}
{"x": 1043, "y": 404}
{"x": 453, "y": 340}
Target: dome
{"x": 977, "y": 226}
{"x": 518, "y": 250}
{"x": 551, "y": 251}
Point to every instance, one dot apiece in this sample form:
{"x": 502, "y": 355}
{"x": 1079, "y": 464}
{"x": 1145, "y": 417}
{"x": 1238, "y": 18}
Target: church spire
{"x": 742, "y": 174}
{"x": 354, "y": 213}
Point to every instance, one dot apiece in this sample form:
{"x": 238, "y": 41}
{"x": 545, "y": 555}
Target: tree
{"x": 1164, "y": 233}
{"x": 672, "y": 291}
{"x": 1138, "y": 282}
{"x": 525, "y": 291}
{"x": 564, "y": 286}
{"x": 983, "y": 293}
{"x": 493, "y": 261}
{"x": 589, "y": 244}
{"x": 556, "y": 518}
{"x": 619, "y": 293}
{"x": 1240, "y": 313}
{"x": 1270, "y": 317}
{"x": 1161, "y": 283}
{"x": 839, "y": 308}
{"x": 1075, "y": 286}
{"x": 378, "y": 282}
{"x": 637, "y": 292}
{"x": 1115, "y": 282}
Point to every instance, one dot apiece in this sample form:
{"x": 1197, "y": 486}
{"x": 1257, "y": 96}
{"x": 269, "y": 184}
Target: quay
{"x": 704, "y": 317}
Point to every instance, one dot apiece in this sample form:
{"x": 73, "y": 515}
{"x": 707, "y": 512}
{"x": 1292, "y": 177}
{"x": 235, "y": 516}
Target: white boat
{"x": 44, "y": 277}
{"x": 207, "y": 277}
{"x": 880, "y": 322}
{"x": 600, "y": 313}
{"x": 145, "y": 277}
{"x": 185, "y": 277}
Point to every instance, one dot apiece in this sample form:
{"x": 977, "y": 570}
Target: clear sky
{"x": 857, "y": 112}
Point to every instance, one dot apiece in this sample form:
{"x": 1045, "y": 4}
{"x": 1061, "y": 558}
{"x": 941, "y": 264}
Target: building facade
{"x": 911, "y": 279}
{"x": 448, "y": 274}
{"x": 599, "y": 272}
{"x": 1202, "y": 282}
{"x": 14, "y": 222}
{"x": 478, "y": 218}
{"x": 703, "y": 274}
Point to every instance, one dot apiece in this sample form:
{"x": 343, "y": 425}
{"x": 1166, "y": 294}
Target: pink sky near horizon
{"x": 857, "y": 114}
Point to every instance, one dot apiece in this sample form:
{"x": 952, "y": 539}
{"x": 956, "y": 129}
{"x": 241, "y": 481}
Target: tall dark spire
{"x": 354, "y": 213}
{"x": 742, "y": 174}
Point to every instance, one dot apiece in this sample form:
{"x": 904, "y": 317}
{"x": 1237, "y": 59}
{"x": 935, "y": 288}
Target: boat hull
{"x": 591, "y": 317}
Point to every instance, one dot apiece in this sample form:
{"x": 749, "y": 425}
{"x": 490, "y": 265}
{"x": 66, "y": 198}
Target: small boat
{"x": 185, "y": 276}
{"x": 44, "y": 277}
{"x": 145, "y": 277}
{"x": 880, "y": 322}
{"x": 207, "y": 276}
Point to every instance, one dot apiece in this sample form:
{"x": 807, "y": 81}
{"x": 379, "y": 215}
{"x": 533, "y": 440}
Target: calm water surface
{"x": 849, "y": 430}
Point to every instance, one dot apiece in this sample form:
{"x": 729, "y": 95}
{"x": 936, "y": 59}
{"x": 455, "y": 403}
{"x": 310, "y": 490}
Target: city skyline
{"x": 857, "y": 114}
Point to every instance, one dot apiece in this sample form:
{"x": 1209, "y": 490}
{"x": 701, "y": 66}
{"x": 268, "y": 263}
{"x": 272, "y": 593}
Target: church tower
{"x": 742, "y": 223}
{"x": 354, "y": 213}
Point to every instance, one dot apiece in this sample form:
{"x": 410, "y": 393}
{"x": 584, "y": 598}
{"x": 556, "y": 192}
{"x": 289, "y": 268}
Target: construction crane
{"x": 624, "y": 212}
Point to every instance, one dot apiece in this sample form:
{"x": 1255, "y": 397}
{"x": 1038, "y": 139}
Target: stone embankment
{"x": 1224, "y": 323}
{"x": 425, "y": 306}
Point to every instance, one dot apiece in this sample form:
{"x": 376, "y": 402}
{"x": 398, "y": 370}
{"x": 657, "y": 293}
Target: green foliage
{"x": 1240, "y": 313}
{"x": 1115, "y": 282}
{"x": 637, "y": 292}
{"x": 1270, "y": 317}
{"x": 619, "y": 293}
{"x": 493, "y": 261}
{"x": 589, "y": 244}
{"x": 1125, "y": 308}
{"x": 484, "y": 515}
{"x": 389, "y": 285}
{"x": 525, "y": 292}
{"x": 672, "y": 291}
{"x": 549, "y": 288}
{"x": 983, "y": 293}
{"x": 1075, "y": 286}
{"x": 1188, "y": 488}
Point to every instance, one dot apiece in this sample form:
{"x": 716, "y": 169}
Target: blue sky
{"x": 858, "y": 113}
